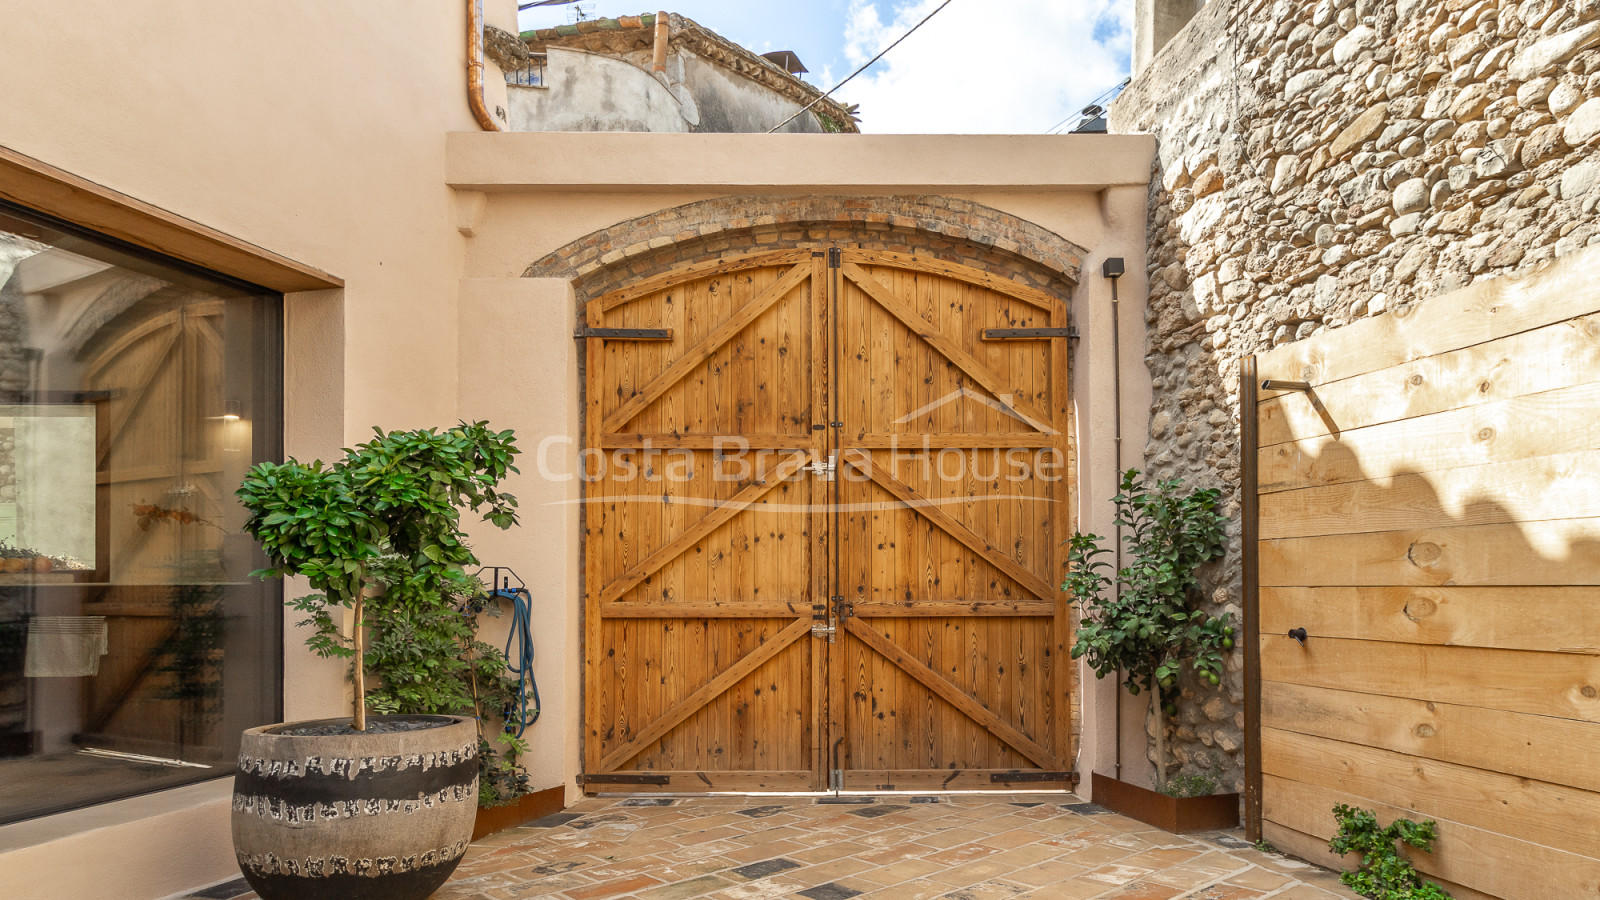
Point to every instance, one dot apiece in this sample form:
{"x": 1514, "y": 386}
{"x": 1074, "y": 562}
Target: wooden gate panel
{"x": 700, "y": 553}
{"x": 949, "y": 565}
{"x": 1429, "y": 512}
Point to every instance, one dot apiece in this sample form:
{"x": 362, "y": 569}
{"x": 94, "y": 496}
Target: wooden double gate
{"x": 826, "y": 494}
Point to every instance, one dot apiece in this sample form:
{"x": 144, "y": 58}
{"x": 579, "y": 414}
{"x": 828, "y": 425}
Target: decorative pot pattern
{"x": 354, "y": 816}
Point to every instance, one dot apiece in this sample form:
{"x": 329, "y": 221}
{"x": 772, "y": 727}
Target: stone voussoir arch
{"x": 945, "y": 228}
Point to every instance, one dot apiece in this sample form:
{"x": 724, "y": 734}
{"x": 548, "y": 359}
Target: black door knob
{"x": 1298, "y": 634}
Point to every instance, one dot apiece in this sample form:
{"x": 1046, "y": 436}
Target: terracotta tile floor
{"x": 961, "y": 847}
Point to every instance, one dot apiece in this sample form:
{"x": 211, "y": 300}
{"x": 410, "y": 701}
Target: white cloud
{"x": 988, "y": 66}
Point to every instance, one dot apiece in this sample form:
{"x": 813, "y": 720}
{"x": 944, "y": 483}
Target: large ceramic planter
{"x": 1179, "y": 815}
{"x": 355, "y": 816}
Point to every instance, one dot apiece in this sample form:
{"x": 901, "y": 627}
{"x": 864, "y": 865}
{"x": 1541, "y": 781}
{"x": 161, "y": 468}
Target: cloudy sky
{"x": 995, "y": 66}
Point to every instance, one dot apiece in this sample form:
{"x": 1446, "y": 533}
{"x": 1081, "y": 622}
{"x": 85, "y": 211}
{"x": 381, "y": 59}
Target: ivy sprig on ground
{"x": 1385, "y": 872}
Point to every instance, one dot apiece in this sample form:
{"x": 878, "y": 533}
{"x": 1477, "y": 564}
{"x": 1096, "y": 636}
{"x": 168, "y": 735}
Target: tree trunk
{"x": 359, "y": 642}
{"x": 1160, "y": 713}
{"x": 1158, "y": 709}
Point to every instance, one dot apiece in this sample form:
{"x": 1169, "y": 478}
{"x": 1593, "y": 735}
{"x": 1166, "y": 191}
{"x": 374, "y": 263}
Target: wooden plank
{"x": 29, "y": 182}
{"x": 1564, "y": 685}
{"x": 728, "y": 443}
{"x": 1552, "y": 815}
{"x": 1563, "y": 619}
{"x": 939, "y": 608}
{"x": 1533, "y": 553}
{"x": 1473, "y": 315}
{"x": 705, "y": 525}
{"x": 819, "y": 523}
{"x": 1024, "y": 409}
{"x": 698, "y": 354}
{"x": 691, "y": 782}
{"x": 1523, "y": 427}
{"x": 1549, "y": 358}
{"x": 689, "y": 610}
{"x": 1013, "y": 781}
{"x": 1298, "y": 827}
{"x": 1544, "y": 748}
{"x": 924, "y": 508}
{"x": 686, "y": 707}
{"x": 722, "y": 265}
{"x": 916, "y": 442}
{"x": 959, "y": 272}
{"x": 597, "y": 688}
{"x": 1559, "y": 486}
{"x": 956, "y": 697}
{"x": 1059, "y": 668}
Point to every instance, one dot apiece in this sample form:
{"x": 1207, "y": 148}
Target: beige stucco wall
{"x": 543, "y": 191}
{"x": 341, "y": 138}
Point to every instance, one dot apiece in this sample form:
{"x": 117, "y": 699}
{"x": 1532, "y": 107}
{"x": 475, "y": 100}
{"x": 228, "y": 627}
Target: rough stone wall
{"x": 1321, "y": 162}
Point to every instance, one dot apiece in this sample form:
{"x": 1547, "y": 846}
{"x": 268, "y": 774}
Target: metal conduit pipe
{"x": 663, "y": 34}
{"x": 480, "y": 109}
{"x": 1113, "y": 269}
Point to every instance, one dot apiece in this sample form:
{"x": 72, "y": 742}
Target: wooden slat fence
{"x": 1429, "y": 511}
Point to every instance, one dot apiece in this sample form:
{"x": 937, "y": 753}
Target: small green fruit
{"x": 1227, "y": 643}
{"x": 1228, "y": 631}
{"x": 1212, "y": 677}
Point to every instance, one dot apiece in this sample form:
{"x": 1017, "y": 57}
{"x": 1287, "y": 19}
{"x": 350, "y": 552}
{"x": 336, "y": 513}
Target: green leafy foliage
{"x": 1189, "y": 785}
{"x": 1143, "y": 620}
{"x": 1385, "y": 873}
{"x": 384, "y": 523}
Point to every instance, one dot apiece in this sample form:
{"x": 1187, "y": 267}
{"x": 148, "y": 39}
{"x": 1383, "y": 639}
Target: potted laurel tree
{"x": 1142, "y": 622}
{"x": 366, "y": 806}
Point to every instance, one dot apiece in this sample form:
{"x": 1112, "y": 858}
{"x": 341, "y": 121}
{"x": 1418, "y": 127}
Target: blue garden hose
{"x": 521, "y": 666}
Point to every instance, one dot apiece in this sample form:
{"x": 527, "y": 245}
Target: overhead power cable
{"x": 523, "y": 6}
{"x": 1099, "y": 103}
{"x": 807, "y": 107}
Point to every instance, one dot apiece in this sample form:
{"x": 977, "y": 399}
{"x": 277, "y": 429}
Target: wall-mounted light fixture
{"x": 230, "y": 411}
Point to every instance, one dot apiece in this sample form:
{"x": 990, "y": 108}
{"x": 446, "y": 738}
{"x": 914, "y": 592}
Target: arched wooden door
{"x": 826, "y": 494}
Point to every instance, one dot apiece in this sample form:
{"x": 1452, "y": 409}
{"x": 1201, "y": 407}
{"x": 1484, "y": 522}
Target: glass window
{"x": 134, "y": 394}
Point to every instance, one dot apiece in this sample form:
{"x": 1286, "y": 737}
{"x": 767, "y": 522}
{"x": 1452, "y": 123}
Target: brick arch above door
{"x": 946, "y": 228}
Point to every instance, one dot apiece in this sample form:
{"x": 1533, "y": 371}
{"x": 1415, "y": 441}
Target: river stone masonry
{"x": 1322, "y": 162}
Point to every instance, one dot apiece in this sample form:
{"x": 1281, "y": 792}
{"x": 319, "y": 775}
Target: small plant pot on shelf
{"x": 1179, "y": 815}
{"x": 321, "y": 812}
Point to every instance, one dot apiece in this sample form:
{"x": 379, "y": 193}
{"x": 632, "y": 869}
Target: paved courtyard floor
{"x": 961, "y": 847}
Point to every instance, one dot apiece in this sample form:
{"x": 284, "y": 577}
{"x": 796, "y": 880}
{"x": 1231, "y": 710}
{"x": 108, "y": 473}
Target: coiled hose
{"x": 520, "y": 664}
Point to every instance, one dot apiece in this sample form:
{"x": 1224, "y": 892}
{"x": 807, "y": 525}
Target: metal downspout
{"x": 480, "y": 109}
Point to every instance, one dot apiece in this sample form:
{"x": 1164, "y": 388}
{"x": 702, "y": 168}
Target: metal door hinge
{"x": 835, "y": 257}
{"x": 625, "y": 334}
{"x": 604, "y": 778}
{"x": 1029, "y": 334}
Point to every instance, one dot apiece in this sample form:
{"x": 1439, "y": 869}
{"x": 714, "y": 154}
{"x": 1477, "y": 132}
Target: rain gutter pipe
{"x": 480, "y": 109}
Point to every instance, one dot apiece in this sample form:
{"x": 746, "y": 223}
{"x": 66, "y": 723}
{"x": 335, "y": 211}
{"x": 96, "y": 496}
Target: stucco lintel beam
{"x": 753, "y": 163}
